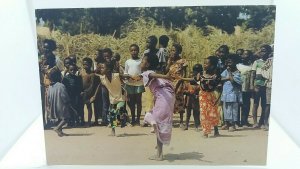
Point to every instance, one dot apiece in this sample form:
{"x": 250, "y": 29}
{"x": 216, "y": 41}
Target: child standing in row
{"x": 177, "y": 69}
{"x": 259, "y": 85}
{"x": 73, "y": 85}
{"x": 89, "y": 87}
{"x": 160, "y": 117}
{"x": 134, "y": 88}
{"x": 208, "y": 99}
{"x": 231, "y": 94}
{"x": 245, "y": 67}
{"x": 192, "y": 97}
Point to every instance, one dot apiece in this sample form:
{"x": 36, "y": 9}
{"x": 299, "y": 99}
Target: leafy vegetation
{"x": 110, "y": 21}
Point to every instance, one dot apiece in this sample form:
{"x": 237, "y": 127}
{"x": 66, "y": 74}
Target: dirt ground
{"x": 133, "y": 146}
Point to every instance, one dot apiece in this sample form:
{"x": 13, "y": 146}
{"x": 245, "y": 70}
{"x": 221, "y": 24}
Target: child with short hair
{"x": 73, "y": 85}
{"x": 245, "y": 67}
{"x": 192, "y": 97}
{"x": 163, "y": 53}
{"x": 151, "y": 46}
{"x": 231, "y": 94}
{"x": 160, "y": 117}
{"x": 67, "y": 62}
{"x": 259, "y": 85}
{"x": 73, "y": 60}
{"x": 209, "y": 82}
{"x": 58, "y": 101}
{"x": 112, "y": 81}
{"x": 89, "y": 86}
{"x": 134, "y": 88}
{"x": 239, "y": 53}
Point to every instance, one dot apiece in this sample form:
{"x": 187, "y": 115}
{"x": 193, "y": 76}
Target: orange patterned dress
{"x": 210, "y": 115}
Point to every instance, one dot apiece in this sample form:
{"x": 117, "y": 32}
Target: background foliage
{"x": 200, "y": 30}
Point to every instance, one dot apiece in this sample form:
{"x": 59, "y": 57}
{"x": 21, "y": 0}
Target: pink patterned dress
{"x": 162, "y": 112}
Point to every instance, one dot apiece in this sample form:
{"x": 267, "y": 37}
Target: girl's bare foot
{"x": 153, "y": 128}
{"x": 217, "y": 134}
{"x": 155, "y": 157}
{"x": 59, "y": 133}
{"x": 113, "y": 132}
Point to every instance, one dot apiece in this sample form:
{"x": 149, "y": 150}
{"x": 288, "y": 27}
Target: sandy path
{"x": 133, "y": 145}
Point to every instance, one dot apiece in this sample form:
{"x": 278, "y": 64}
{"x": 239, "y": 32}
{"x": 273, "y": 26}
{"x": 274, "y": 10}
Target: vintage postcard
{"x": 188, "y": 85}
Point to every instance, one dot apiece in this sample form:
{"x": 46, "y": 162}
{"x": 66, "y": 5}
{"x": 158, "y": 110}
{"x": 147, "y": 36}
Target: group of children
{"x": 217, "y": 93}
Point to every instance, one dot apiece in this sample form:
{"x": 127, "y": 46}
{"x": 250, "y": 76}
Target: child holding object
{"x": 231, "y": 95}
{"x": 134, "y": 88}
{"x": 160, "y": 117}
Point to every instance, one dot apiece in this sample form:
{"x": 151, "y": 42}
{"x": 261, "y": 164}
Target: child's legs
{"x": 47, "y": 107}
{"x": 77, "y": 109}
{"x": 131, "y": 104}
{"x": 235, "y": 112}
{"x": 113, "y": 116}
{"x": 181, "y": 116}
{"x": 43, "y": 104}
{"x": 221, "y": 112}
{"x": 105, "y": 104}
{"x": 60, "y": 125}
{"x": 245, "y": 107}
{"x": 96, "y": 114}
{"x": 121, "y": 110}
{"x": 263, "y": 105}
{"x": 239, "y": 114}
{"x": 97, "y": 108}
{"x": 268, "y": 106}
{"x": 256, "y": 103}
{"x": 90, "y": 112}
{"x": 229, "y": 116}
{"x": 196, "y": 115}
{"x": 267, "y": 115}
{"x": 81, "y": 110}
{"x": 139, "y": 106}
{"x": 72, "y": 118}
{"x": 188, "y": 115}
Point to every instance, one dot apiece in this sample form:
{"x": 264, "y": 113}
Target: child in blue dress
{"x": 231, "y": 94}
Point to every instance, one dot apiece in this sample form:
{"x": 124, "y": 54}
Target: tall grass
{"x": 196, "y": 45}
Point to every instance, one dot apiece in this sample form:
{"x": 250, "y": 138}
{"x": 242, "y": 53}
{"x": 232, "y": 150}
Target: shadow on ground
{"x": 131, "y": 135}
{"x": 185, "y": 156}
{"x": 81, "y": 134}
{"x": 224, "y": 135}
